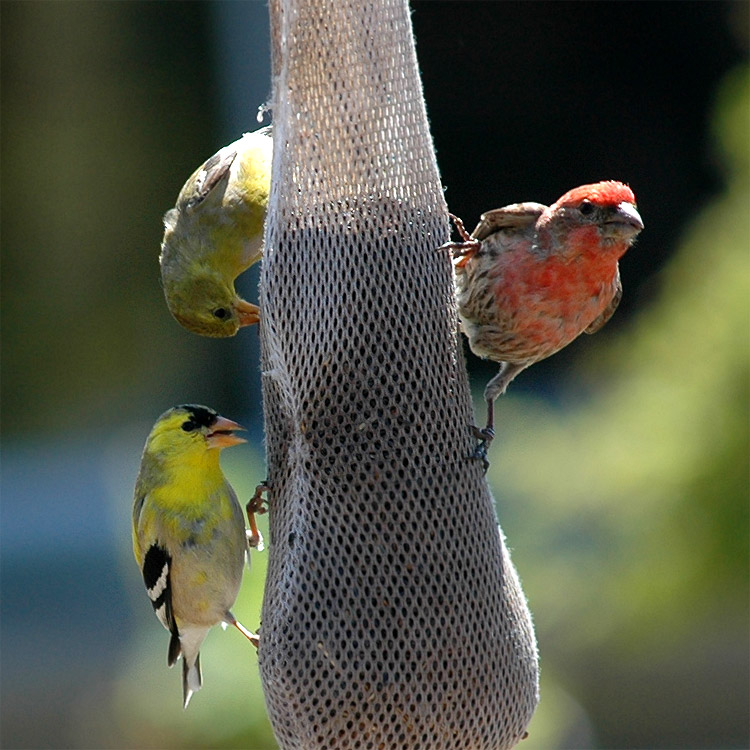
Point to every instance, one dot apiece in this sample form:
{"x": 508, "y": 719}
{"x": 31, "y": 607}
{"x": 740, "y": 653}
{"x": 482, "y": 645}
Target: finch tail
{"x": 191, "y": 638}
{"x": 192, "y": 680}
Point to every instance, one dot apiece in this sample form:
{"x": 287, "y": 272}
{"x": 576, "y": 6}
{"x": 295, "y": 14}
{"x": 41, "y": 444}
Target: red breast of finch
{"x": 531, "y": 278}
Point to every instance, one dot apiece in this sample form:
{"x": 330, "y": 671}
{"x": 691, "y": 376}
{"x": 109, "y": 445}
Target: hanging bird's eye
{"x": 221, "y": 313}
{"x": 586, "y": 208}
{"x": 188, "y": 426}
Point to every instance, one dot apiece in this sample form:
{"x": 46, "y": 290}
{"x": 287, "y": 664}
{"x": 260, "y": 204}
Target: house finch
{"x": 531, "y": 278}
{"x": 214, "y": 233}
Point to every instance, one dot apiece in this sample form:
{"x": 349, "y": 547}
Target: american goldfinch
{"x": 531, "y": 278}
{"x": 189, "y": 535}
{"x": 214, "y": 233}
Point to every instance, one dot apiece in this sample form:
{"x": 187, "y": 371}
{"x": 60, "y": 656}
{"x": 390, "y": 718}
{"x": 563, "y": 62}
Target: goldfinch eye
{"x": 586, "y": 208}
{"x": 221, "y": 313}
{"x": 188, "y": 426}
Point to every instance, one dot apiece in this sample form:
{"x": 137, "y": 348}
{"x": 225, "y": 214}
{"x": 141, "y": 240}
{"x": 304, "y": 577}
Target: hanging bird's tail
{"x": 191, "y": 679}
{"x": 187, "y": 644}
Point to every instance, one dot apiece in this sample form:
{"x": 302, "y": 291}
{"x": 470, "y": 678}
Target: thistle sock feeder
{"x": 392, "y": 617}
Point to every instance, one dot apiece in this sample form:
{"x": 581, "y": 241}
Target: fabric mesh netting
{"x": 392, "y": 616}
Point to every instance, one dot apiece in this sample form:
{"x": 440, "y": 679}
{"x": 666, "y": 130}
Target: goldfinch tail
{"x": 192, "y": 681}
{"x": 190, "y": 640}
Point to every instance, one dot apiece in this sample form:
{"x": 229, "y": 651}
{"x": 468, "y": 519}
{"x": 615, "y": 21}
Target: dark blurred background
{"x": 621, "y": 468}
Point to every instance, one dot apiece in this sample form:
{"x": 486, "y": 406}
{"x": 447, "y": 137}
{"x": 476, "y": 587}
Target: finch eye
{"x": 188, "y": 426}
{"x": 221, "y": 313}
{"x": 586, "y": 208}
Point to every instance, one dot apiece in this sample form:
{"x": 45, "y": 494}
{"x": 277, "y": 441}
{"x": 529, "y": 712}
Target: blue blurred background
{"x": 621, "y": 468}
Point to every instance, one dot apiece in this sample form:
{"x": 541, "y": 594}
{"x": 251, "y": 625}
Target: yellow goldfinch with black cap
{"x": 214, "y": 233}
{"x": 189, "y": 535}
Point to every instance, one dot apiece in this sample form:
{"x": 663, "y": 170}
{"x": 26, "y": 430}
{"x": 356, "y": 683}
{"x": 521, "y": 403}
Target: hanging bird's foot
{"x": 254, "y": 638}
{"x": 464, "y": 249}
{"x": 258, "y": 504}
{"x": 485, "y": 437}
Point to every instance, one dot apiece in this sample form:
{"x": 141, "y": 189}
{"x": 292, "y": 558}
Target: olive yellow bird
{"x": 214, "y": 233}
{"x": 189, "y": 535}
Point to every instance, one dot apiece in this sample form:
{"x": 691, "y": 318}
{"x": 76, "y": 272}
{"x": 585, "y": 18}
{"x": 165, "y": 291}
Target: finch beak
{"x": 247, "y": 313}
{"x": 221, "y": 434}
{"x": 624, "y": 223}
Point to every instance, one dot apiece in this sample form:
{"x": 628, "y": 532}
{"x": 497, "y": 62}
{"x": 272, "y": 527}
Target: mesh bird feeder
{"x": 392, "y": 617}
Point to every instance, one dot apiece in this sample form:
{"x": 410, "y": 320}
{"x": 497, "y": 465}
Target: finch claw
{"x": 254, "y": 638}
{"x": 468, "y": 246}
{"x": 480, "y": 454}
{"x": 485, "y": 437}
{"x": 485, "y": 434}
{"x": 465, "y": 236}
{"x": 257, "y": 504}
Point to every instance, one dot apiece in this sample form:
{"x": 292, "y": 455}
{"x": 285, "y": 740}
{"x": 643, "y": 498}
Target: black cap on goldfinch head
{"x": 200, "y": 416}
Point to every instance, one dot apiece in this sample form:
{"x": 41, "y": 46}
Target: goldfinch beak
{"x": 247, "y": 313}
{"x": 221, "y": 434}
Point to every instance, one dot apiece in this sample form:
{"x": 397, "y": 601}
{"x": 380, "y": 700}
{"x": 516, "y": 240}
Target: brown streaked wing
{"x": 517, "y": 215}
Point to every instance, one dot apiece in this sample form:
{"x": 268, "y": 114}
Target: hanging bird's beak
{"x": 247, "y": 313}
{"x": 221, "y": 434}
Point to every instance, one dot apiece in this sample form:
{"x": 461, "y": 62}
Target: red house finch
{"x": 532, "y": 278}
